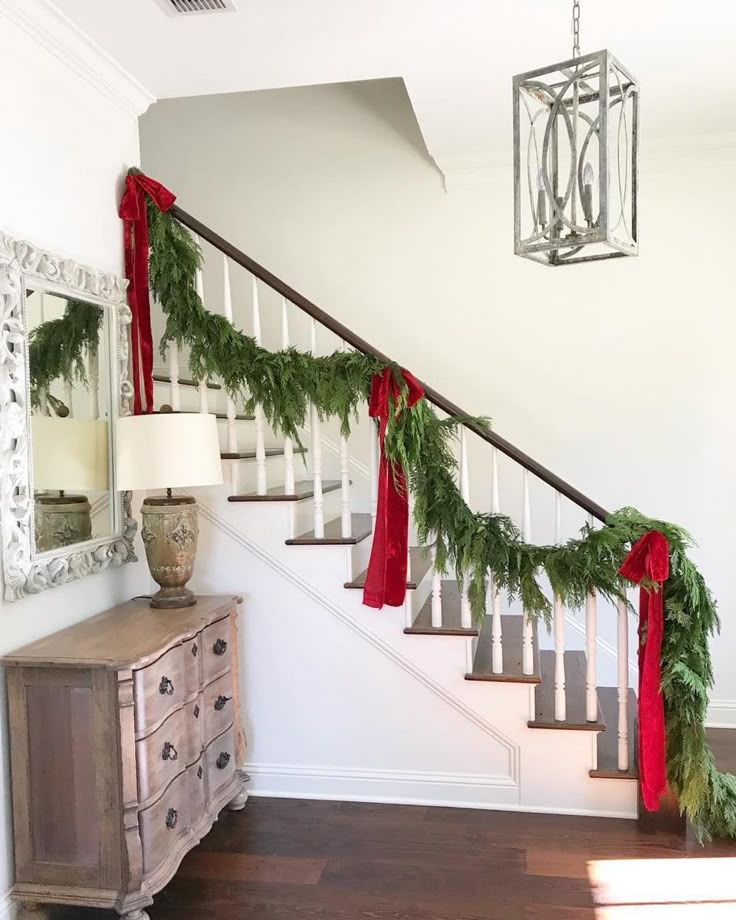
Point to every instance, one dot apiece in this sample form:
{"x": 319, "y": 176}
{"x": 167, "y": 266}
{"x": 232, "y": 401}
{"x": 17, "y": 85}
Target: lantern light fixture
{"x": 576, "y": 133}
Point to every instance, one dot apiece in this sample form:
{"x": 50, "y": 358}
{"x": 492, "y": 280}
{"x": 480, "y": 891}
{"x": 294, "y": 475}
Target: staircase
{"x": 556, "y": 703}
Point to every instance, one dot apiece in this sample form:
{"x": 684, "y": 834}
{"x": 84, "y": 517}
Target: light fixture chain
{"x": 576, "y": 28}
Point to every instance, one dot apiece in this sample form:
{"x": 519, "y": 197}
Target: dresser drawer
{"x": 217, "y": 707}
{"x": 159, "y": 689}
{"x": 192, "y": 654}
{"x": 172, "y": 817}
{"x": 215, "y": 649}
{"x": 220, "y": 763}
{"x": 168, "y": 751}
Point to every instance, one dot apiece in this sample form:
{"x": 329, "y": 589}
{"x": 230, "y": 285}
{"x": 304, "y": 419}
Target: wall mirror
{"x": 64, "y": 331}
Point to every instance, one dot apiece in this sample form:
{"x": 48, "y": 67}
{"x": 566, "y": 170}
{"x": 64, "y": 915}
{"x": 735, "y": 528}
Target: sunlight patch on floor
{"x": 698, "y": 888}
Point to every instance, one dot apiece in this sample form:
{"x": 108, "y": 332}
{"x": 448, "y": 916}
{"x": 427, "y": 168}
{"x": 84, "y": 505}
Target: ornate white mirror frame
{"x": 25, "y": 571}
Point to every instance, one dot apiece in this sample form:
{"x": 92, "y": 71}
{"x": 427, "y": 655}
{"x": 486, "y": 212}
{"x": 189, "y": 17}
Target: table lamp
{"x": 70, "y": 457}
{"x": 168, "y": 451}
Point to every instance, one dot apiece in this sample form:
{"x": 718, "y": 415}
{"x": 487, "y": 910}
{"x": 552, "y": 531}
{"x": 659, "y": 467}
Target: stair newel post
{"x": 495, "y": 594}
{"x": 346, "y": 518}
{"x": 622, "y": 651}
{"x": 559, "y": 629}
{"x": 232, "y": 437}
{"x": 289, "y": 478}
{"x": 591, "y": 648}
{"x": 204, "y": 406}
{"x": 466, "y": 617}
{"x": 174, "y": 396}
{"x": 319, "y": 514}
{"x": 527, "y": 633}
{"x": 262, "y": 484}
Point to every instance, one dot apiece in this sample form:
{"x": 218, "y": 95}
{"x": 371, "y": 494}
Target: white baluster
{"x": 466, "y": 617}
{"x": 559, "y": 630}
{"x": 346, "y": 518}
{"x": 94, "y": 383}
{"x": 319, "y": 515}
{"x": 496, "y": 623}
{"x": 289, "y": 478}
{"x": 436, "y": 592}
{"x": 204, "y": 406}
{"x": 232, "y": 437}
{"x": 622, "y": 651}
{"x": 374, "y": 463}
{"x": 174, "y": 396}
{"x": 260, "y": 417}
{"x": 69, "y": 397}
{"x": 591, "y": 677}
{"x": 527, "y": 633}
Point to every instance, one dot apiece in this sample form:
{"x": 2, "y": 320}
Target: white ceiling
{"x": 456, "y": 56}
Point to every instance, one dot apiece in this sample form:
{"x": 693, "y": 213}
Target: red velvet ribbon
{"x": 386, "y": 579}
{"x": 650, "y": 559}
{"x": 133, "y": 212}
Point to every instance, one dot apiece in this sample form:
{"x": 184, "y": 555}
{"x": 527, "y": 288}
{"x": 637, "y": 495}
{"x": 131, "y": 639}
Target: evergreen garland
{"x": 286, "y": 383}
{"x": 58, "y": 347}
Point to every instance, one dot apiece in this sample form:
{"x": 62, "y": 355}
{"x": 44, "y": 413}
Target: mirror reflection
{"x": 71, "y": 388}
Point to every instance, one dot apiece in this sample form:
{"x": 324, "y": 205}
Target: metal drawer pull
{"x": 171, "y": 818}
{"x": 221, "y": 702}
{"x": 222, "y": 761}
{"x": 200, "y": 771}
{"x": 220, "y": 647}
{"x": 169, "y": 752}
{"x": 196, "y": 711}
{"x": 195, "y": 650}
{"x": 165, "y": 688}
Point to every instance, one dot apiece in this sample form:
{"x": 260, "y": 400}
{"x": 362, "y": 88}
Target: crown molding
{"x": 52, "y": 29}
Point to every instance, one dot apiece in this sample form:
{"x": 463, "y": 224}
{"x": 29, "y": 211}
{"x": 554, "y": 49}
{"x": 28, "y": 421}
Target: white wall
{"x": 66, "y": 143}
{"x": 618, "y": 376}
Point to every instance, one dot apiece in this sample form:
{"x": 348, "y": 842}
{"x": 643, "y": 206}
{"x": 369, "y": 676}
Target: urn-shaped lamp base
{"x": 170, "y": 530}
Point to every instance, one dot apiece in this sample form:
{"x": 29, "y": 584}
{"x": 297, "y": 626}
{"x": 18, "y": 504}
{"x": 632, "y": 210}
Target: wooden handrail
{"x": 311, "y": 309}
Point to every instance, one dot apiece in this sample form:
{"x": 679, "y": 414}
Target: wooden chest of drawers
{"x": 125, "y": 746}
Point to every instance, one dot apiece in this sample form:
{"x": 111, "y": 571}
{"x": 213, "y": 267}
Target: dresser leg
{"x": 135, "y": 915}
{"x": 238, "y": 801}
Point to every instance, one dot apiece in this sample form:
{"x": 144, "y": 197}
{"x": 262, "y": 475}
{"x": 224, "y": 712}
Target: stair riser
{"x": 189, "y": 398}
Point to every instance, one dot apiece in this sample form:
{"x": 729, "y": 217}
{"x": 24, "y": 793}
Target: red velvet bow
{"x": 649, "y": 559}
{"x": 386, "y": 578}
{"x": 133, "y": 212}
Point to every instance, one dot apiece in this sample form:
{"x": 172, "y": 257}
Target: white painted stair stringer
{"x": 550, "y": 768}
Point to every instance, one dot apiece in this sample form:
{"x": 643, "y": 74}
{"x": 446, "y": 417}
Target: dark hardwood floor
{"x": 283, "y": 859}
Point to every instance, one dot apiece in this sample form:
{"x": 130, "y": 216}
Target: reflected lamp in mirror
{"x": 70, "y": 459}
{"x": 169, "y": 451}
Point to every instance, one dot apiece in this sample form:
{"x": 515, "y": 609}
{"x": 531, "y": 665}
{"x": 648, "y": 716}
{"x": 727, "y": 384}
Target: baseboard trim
{"x": 721, "y": 714}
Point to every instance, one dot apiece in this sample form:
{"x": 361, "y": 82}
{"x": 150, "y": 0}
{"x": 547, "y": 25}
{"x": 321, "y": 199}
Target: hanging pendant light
{"x": 576, "y": 159}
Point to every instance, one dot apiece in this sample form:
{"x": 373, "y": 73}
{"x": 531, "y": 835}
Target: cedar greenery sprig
{"x": 473, "y": 544}
{"x": 57, "y": 348}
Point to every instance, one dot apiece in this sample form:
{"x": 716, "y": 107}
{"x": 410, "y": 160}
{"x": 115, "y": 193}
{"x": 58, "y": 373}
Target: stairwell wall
{"x": 617, "y": 376}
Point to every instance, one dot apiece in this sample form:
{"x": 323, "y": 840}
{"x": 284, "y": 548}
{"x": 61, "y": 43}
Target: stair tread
{"x": 185, "y": 382}
{"x": 251, "y": 454}
{"x": 303, "y": 489}
{"x": 222, "y": 416}
{"x": 608, "y": 740}
{"x": 422, "y": 625}
{"x": 544, "y": 695}
{"x": 512, "y": 653}
{"x": 421, "y": 563}
{"x": 362, "y": 527}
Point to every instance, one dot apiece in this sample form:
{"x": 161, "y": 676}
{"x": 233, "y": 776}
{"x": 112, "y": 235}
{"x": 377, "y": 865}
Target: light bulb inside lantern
{"x": 540, "y": 180}
{"x": 588, "y": 179}
{"x": 541, "y": 200}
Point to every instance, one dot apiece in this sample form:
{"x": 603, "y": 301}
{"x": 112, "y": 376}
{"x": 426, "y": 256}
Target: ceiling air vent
{"x": 185, "y": 7}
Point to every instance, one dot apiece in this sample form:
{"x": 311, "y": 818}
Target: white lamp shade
{"x": 70, "y": 454}
{"x": 167, "y": 451}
